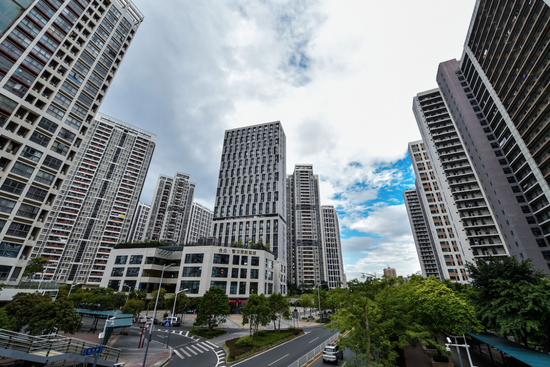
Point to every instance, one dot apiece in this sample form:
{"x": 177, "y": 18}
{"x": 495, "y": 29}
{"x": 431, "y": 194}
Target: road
{"x": 287, "y": 353}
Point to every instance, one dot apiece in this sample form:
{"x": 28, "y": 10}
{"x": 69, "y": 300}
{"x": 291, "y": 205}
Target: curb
{"x": 164, "y": 362}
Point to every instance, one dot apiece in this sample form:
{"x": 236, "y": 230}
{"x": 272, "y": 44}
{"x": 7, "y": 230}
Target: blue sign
{"x": 167, "y": 323}
{"x": 92, "y": 351}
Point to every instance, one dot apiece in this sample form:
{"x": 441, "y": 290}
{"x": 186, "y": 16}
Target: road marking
{"x": 181, "y": 332}
{"x": 314, "y": 340}
{"x": 214, "y": 345}
{"x": 203, "y": 347}
{"x": 278, "y": 360}
{"x": 178, "y": 353}
{"x": 194, "y": 346}
{"x": 269, "y": 350}
{"x": 187, "y": 354}
{"x": 187, "y": 333}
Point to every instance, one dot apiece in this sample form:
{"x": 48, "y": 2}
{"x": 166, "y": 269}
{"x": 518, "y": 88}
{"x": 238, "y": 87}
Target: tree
{"x": 140, "y": 295}
{"x": 306, "y": 300}
{"x": 21, "y": 308}
{"x": 96, "y": 299}
{"x": 256, "y": 312}
{"x": 181, "y": 303}
{"x": 213, "y": 308}
{"x": 6, "y": 322}
{"x": 50, "y": 317}
{"x": 279, "y": 307}
{"x": 133, "y": 306}
{"x": 35, "y": 265}
{"x": 153, "y": 300}
{"x": 511, "y": 297}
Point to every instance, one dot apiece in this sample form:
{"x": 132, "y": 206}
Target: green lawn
{"x": 263, "y": 341}
{"x": 207, "y": 334}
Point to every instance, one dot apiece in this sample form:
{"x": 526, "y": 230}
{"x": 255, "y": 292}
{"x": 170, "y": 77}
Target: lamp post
{"x": 173, "y": 310}
{"x": 465, "y": 345}
{"x": 70, "y": 289}
{"x": 102, "y": 335}
{"x": 129, "y": 289}
{"x": 319, "y": 298}
{"x": 154, "y": 313}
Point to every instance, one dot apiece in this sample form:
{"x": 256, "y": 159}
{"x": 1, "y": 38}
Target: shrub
{"x": 244, "y": 342}
{"x": 261, "y": 333}
{"x": 205, "y": 333}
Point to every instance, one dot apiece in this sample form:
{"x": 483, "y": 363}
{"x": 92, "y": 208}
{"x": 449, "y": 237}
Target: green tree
{"x": 213, "y": 308}
{"x": 50, "y": 317}
{"x": 511, "y": 297}
{"x": 256, "y": 312}
{"x": 181, "y": 303}
{"x": 140, "y": 295}
{"x": 21, "y": 308}
{"x": 96, "y": 299}
{"x": 35, "y": 265}
{"x": 153, "y": 300}
{"x": 133, "y": 306}
{"x": 306, "y": 300}
{"x": 279, "y": 307}
{"x": 6, "y": 322}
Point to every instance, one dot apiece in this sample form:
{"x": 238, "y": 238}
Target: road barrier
{"x": 311, "y": 355}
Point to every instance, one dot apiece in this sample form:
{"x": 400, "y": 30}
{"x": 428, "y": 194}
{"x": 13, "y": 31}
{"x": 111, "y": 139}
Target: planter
{"x": 441, "y": 364}
{"x": 429, "y": 351}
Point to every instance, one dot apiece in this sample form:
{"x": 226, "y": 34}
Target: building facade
{"x": 200, "y": 224}
{"x": 250, "y": 204}
{"x": 139, "y": 223}
{"x": 57, "y": 62}
{"x": 96, "y": 203}
{"x": 332, "y": 247}
{"x": 238, "y": 271}
{"x": 390, "y": 272}
{"x": 171, "y": 209}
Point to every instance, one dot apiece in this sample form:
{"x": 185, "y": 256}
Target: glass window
{"x": 9, "y": 249}
{"x": 66, "y": 135}
{"x": 192, "y": 271}
{"x": 255, "y": 261}
{"x": 242, "y": 287}
{"x": 18, "y": 229}
{"x": 236, "y": 259}
{"x": 235, "y": 273}
{"x": 136, "y": 259}
{"x": 6, "y": 206}
{"x": 31, "y": 153}
{"x": 244, "y": 260}
{"x": 244, "y": 273}
{"x": 219, "y": 272}
{"x": 21, "y": 38}
{"x": 52, "y": 162}
{"x": 13, "y": 186}
{"x": 58, "y": 113}
{"x": 48, "y": 41}
{"x": 254, "y": 274}
{"x": 132, "y": 272}
{"x": 191, "y": 285}
{"x": 37, "y": 194}
{"x": 33, "y": 64}
{"x": 79, "y": 111}
{"x": 42, "y": 53}
{"x": 221, "y": 259}
{"x": 62, "y": 100}
{"x": 11, "y": 49}
{"x": 114, "y": 284}
{"x": 60, "y": 148}
{"x": 40, "y": 139}
{"x": 69, "y": 89}
{"x": 28, "y": 211}
{"x": 121, "y": 260}
{"x": 48, "y": 125}
{"x": 233, "y": 289}
{"x": 253, "y": 287}
{"x": 117, "y": 272}
{"x": 44, "y": 177}
{"x": 222, "y": 285}
{"x": 194, "y": 258}
{"x": 22, "y": 169}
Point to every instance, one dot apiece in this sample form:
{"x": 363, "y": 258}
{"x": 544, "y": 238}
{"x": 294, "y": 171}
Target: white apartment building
{"x": 200, "y": 224}
{"x": 171, "y": 209}
{"x": 332, "y": 245}
{"x": 96, "y": 203}
{"x": 139, "y": 223}
{"x": 250, "y": 202}
{"x": 57, "y": 62}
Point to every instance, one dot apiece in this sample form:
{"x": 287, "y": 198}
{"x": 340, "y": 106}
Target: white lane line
{"x": 191, "y": 350}
{"x": 181, "y": 332}
{"x": 194, "y": 346}
{"x": 187, "y": 333}
{"x": 202, "y": 347}
{"x": 278, "y": 360}
{"x": 314, "y": 340}
{"x": 212, "y": 344}
{"x": 187, "y": 354}
{"x": 178, "y": 353}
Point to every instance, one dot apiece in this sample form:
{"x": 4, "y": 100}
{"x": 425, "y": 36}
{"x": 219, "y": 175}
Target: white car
{"x": 332, "y": 353}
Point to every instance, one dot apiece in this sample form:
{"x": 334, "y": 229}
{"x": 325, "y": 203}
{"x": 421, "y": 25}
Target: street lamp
{"x": 319, "y": 298}
{"x": 155, "y": 312}
{"x": 173, "y": 310}
{"x": 129, "y": 290}
{"x": 102, "y": 335}
{"x": 70, "y": 289}
{"x": 465, "y": 345}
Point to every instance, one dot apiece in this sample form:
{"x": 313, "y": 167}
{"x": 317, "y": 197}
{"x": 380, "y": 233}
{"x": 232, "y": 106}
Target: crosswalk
{"x": 196, "y": 349}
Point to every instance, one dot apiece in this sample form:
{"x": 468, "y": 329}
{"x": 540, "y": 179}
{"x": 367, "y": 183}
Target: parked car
{"x": 332, "y": 353}
{"x": 176, "y": 321}
{"x": 147, "y": 319}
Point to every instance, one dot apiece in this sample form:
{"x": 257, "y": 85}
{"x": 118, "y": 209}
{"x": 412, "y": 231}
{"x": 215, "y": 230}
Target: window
{"x": 546, "y": 255}
{"x": 114, "y": 284}
{"x": 244, "y": 273}
{"x": 18, "y": 229}
{"x": 516, "y": 189}
{"x": 9, "y": 249}
{"x": 236, "y": 259}
{"x": 31, "y": 153}
{"x": 244, "y": 260}
{"x": 40, "y": 139}
{"x": 221, "y": 259}
{"x": 69, "y": 89}
{"x": 511, "y": 179}
{"x": 121, "y": 260}
{"x": 117, "y": 272}
{"x": 235, "y": 273}
{"x": 233, "y": 289}
{"x": 536, "y": 231}
{"x": 192, "y": 271}
{"x": 136, "y": 259}
{"x": 255, "y": 260}
{"x": 6, "y": 206}
{"x": 242, "y": 287}
{"x": 222, "y": 285}
{"x": 60, "y": 148}
{"x": 520, "y": 199}
{"x": 525, "y": 209}
{"x": 22, "y": 169}
{"x": 194, "y": 259}
{"x": 62, "y": 100}
{"x": 37, "y": 194}
{"x": 219, "y": 272}
{"x": 28, "y": 211}
{"x": 192, "y": 285}
{"x": 253, "y": 287}
{"x": 79, "y": 111}
{"x": 44, "y": 178}
{"x": 73, "y": 122}
{"x": 531, "y": 220}
{"x": 55, "y": 112}
{"x": 254, "y": 273}
{"x": 13, "y": 186}
{"x": 132, "y": 272}
{"x": 52, "y": 162}
{"x": 541, "y": 242}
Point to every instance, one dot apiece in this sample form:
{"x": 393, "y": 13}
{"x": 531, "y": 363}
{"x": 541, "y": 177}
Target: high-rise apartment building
{"x": 200, "y": 224}
{"x": 96, "y": 203}
{"x": 171, "y": 209}
{"x": 139, "y": 223}
{"x": 332, "y": 246}
{"x": 390, "y": 272}
{"x": 250, "y": 201}
{"x": 306, "y": 240}
{"x": 57, "y": 61}
{"x": 423, "y": 240}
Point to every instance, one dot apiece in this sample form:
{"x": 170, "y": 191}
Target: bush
{"x": 261, "y": 333}
{"x": 437, "y": 358}
{"x": 207, "y": 334}
{"x": 244, "y": 342}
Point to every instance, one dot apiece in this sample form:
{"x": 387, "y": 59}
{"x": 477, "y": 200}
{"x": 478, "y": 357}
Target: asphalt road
{"x": 287, "y": 353}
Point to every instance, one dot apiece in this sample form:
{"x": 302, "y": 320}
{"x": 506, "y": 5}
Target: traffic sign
{"x": 92, "y": 351}
{"x": 167, "y": 323}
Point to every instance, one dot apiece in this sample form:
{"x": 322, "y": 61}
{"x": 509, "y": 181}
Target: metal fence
{"x": 52, "y": 344}
{"x": 312, "y": 354}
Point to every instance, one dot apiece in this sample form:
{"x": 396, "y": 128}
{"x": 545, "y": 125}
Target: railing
{"x": 312, "y": 354}
{"x": 52, "y": 345}
{"x": 36, "y": 284}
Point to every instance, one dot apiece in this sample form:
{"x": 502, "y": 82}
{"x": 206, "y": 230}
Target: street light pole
{"x": 129, "y": 288}
{"x": 173, "y": 310}
{"x": 465, "y": 345}
{"x": 154, "y": 313}
{"x": 71, "y": 288}
{"x": 319, "y": 298}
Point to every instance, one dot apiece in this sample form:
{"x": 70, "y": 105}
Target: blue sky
{"x": 340, "y": 76}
